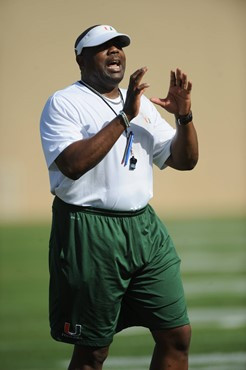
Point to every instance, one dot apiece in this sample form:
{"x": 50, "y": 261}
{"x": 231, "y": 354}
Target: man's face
{"x": 103, "y": 65}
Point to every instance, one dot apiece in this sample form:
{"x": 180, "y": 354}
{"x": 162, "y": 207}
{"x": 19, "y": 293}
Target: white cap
{"x": 100, "y": 34}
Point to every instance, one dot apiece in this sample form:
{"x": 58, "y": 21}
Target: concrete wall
{"x": 204, "y": 38}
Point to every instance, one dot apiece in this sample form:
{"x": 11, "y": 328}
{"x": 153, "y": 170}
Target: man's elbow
{"x": 69, "y": 171}
{"x": 73, "y": 175}
{"x": 183, "y": 163}
{"x": 190, "y": 163}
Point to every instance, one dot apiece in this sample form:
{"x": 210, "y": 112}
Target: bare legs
{"x": 88, "y": 358}
{"x": 171, "y": 349}
{"x": 171, "y": 352}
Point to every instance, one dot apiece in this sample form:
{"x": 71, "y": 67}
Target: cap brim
{"x": 123, "y": 39}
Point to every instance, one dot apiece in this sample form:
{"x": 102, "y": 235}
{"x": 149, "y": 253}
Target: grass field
{"x": 213, "y": 267}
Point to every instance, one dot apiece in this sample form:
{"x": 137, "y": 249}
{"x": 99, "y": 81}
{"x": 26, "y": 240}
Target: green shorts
{"x": 109, "y": 271}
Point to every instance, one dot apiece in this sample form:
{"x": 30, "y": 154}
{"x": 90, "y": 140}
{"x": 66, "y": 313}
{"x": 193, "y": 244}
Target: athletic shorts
{"x": 109, "y": 271}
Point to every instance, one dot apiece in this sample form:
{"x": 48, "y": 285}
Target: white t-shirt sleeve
{"x": 60, "y": 126}
{"x": 163, "y": 135}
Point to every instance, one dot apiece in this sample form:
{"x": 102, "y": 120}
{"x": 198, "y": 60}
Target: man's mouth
{"x": 114, "y": 65}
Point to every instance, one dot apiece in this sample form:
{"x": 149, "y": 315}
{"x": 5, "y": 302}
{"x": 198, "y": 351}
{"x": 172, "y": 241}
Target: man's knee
{"x": 99, "y": 354}
{"x": 92, "y": 356}
{"x": 176, "y": 338}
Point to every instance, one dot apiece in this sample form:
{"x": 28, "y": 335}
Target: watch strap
{"x": 184, "y": 120}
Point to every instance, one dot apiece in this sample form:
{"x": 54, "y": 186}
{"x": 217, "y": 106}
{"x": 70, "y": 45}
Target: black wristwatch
{"x": 183, "y": 120}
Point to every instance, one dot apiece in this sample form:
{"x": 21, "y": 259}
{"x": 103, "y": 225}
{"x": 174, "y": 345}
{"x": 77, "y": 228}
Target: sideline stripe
{"x": 210, "y": 361}
{"x": 214, "y": 285}
{"x": 202, "y": 262}
{"x": 221, "y": 317}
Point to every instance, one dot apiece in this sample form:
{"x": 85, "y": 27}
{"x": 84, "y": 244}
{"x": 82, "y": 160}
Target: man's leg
{"x": 88, "y": 358}
{"x": 171, "y": 348}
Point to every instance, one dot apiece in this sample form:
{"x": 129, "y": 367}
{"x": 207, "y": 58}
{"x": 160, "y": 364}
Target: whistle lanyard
{"x": 129, "y": 136}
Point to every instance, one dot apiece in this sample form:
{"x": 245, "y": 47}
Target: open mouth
{"x": 114, "y": 65}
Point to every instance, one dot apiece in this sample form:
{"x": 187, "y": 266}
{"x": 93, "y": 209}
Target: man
{"x": 112, "y": 262}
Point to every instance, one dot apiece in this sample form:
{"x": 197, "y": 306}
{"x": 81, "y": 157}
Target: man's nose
{"x": 113, "y": 49}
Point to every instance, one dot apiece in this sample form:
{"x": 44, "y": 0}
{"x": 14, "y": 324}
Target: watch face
{"x": 183, "y": 120}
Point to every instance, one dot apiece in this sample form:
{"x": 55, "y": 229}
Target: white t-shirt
{"x": 75, "y": 113}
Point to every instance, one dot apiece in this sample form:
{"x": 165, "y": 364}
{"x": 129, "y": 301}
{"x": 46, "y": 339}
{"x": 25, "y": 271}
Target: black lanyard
{"x": 100, "y": 96}
{"x": 130, "y": 137}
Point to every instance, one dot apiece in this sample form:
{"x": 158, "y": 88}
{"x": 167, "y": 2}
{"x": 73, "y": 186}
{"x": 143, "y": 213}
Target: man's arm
{"x": 83, "y": 155}
{"x": 184, "y": 147}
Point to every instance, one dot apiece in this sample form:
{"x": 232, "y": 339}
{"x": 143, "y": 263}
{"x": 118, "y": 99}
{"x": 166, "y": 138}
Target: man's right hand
{"x": 134, "y": 92}
{"x": 73, "y": 162}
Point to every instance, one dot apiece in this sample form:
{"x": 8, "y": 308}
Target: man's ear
{"x": 79, "y": 59}
{"x": 80, "y": 62}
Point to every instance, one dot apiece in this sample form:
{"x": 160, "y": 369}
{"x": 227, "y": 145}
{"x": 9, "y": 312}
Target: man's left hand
{"x": 178, "y": 100}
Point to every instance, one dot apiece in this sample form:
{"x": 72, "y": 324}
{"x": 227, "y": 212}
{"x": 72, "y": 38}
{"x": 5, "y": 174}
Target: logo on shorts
{"x": 76, "y": 333}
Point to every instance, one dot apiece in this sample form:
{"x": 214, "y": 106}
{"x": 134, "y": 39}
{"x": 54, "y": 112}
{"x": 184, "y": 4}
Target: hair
{"x": 83, "y": 35}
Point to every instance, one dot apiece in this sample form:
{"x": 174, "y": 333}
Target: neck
{"x": 110, "y": 92}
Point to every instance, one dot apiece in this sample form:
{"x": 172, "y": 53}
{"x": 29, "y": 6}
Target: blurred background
{"x": 204, "y": 209}
{"x": 204, "y": 38}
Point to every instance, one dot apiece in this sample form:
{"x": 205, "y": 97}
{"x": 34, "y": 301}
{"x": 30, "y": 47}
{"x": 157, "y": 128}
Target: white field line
{"x": 221, "y": 317}
{"x": 215, "y": 286}
{"x": 210, "y": 361}
{"x": 202, "y": 261}
{"x": 227, "y": 360}
{"x": 227, "y": 238}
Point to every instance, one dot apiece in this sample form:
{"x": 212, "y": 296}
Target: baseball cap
{"x": 100, "y": 34}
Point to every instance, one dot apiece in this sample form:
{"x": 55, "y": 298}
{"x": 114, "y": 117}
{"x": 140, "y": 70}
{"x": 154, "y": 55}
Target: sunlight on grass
{"x": 213, "y": 268}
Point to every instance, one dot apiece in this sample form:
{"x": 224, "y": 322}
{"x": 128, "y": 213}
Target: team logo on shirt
{"x": 77, "y": 330}
{"x": 146, "y": 119}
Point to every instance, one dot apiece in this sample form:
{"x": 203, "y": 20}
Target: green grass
{"x": 213, "y": 268}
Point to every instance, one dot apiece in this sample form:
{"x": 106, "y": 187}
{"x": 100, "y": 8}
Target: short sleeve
{"x": 60, "y": 126}
{"x": 163, "y": 135}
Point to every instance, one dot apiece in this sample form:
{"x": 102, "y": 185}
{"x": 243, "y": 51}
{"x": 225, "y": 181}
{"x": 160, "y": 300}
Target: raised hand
{"x": 134, "y": 92}
{"x": 178, "y": 100}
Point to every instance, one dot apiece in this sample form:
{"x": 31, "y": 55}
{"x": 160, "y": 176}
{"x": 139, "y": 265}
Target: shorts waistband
{"x": 99, "y": 211}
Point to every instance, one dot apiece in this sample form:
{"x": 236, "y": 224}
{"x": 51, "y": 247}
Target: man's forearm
{"x": 184, "y": 148}
{"x": 83, "y": 155}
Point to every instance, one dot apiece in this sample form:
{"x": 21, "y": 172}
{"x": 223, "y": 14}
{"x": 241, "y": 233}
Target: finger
{"x": 189, "y": 86}
{"x": 138, "y": 72}
{"x": 172, "y": 79}
{"x": 141, "y": 88}
{"x": 178, "y": 77}
{"x": 138, "y": 75}
{"x": 159, "y": 101}
{"x": 184, "y": 80}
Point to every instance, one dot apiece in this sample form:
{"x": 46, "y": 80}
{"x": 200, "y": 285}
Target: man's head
{"x": 100, "y": 56}
{"x": 97, "y": 35}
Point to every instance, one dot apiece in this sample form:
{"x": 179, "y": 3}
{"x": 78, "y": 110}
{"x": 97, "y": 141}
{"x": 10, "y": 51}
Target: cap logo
{"x": 108, "y": 28}
{"x": 100, "y": 34}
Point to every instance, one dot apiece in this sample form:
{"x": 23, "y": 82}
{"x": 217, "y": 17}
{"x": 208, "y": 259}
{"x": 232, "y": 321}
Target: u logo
{"x": 77, "y": 331}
